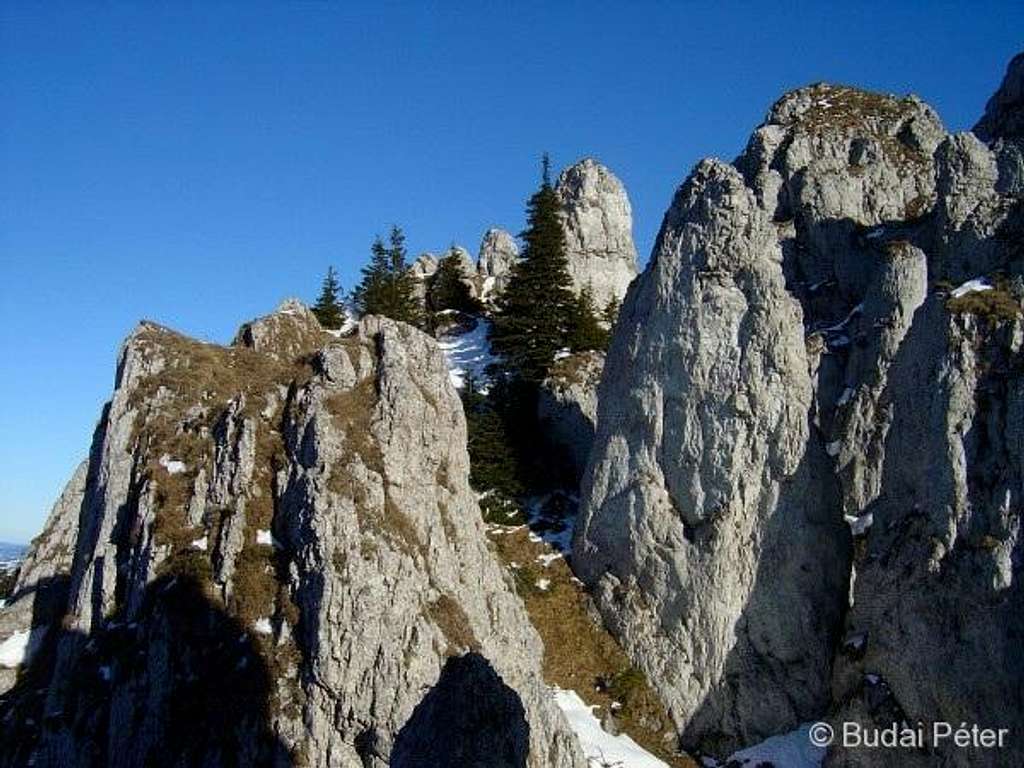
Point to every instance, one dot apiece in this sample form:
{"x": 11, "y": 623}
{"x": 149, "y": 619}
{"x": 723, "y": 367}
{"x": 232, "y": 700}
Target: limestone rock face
{"x": 280, "y": 562}
{"x": 36, "y": 603}
{"x": 567, "y": 409}
{"x": 705, "y": 505}
{"x": 290, "y": 331}
{"x": 598, "y": 222}
{"x": 1004, "y": 113}
{"x": 498, "y": 254}
{"x": 832, "y": 160}
{"x": 795, "y": 354}
{"x": 937, "y": 601}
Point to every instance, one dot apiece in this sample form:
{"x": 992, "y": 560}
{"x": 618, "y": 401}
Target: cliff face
{"x": 279, "y": 561}
{"x": 799, "y": 350}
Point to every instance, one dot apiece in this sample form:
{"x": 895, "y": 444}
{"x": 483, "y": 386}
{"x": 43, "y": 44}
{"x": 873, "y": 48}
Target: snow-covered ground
{"x": 468, "y": 354}
{"x": 600, "y": 747}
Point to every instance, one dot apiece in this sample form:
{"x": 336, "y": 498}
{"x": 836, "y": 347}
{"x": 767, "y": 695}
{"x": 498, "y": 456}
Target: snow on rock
{"x": 543, "y": 584}
{"x": 845, "y": 397}
{"x": 264, "y": 537}
{"x": 173, "y": 466}
{"x": 200, "y": 544}
{"x": 859, "y": 525}
{"x": 548, "y": 559}
{"x": 263, "y": 627}
{"x": 468, "y": 353}
{"x": 976, "y": 285}
{"x": 16, "y": 649}
{"x": 600, "y": 747}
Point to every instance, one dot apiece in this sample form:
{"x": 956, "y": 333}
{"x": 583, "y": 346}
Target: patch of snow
{"x": 106, "y": 673}
{"x": 845, "y": 321}
{"x": 872, "y": 679}
{"x": 17, "y": 649}
{"x": 548, "y": 559}
{"x": 875, "y": 235}
{"x": 856, "y": 641}
{"x": 555, "y": 531}
{"x": 263, "y": 627}
{"x": 599, "y": 747}
{"x": 845, "y": 397}
{"x": 562, "y": 354}
{"x": 832, "y": 449}
{"x": 264, "y": 537}
{"x": 859, "y": 525}
{"x": 199, "y": 543}
{"x": 971, "y": 286}
{"x": 487, "y": 288}
{"x": 789, "y": 750}
{"x": 173, "y": 466}
{"x": 543, "y": 584}
{"x": 468, "y": 354}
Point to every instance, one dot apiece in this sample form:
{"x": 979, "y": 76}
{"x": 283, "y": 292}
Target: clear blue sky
{"x": 196, "y": 163}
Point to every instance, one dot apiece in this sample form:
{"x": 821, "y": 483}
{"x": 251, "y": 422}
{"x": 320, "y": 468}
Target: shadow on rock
{"x": 180, "y": 684}
{"x": 469, "y": 719}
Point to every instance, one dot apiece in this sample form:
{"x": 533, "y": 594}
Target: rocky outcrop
{"x": 795, "y": 353}
{"x": 598, "y": 223}
{"x": 498, "y": 254}
{"x": 567, "y": 410}
{"x": 279, "y": 561}
{"x": 291, "y": 331}
{"x": 705, "y": 506}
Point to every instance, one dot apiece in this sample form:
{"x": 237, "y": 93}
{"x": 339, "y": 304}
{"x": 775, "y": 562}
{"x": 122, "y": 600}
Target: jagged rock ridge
{"x": 279, "y": 561}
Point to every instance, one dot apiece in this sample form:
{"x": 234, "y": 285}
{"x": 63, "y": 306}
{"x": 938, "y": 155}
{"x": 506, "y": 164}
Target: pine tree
{"x": 387, "y": 287}
{"x": 611, "y": 312}
{"x": 533, "y": 315}
{"x": 328, "y": 308}
{"x": 448, "y": 288}
{"x": 585, "y": 331}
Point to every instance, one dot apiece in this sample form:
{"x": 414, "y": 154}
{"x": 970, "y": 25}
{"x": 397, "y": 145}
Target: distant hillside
{"x": 10, "y": 555}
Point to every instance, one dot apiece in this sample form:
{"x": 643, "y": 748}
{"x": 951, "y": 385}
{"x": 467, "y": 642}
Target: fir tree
{"x": 533, "y": 315}
{"x": 494, "y": 469}
{"x": 611, "y": 312}
{"x": 585, "y": 331}
{"x": 448, "y": 288}
{"x": 387, "y": 287}
{"x": 328, "y": 308}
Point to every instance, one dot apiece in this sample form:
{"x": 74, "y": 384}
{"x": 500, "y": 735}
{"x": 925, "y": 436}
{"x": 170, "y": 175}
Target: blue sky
{"x": 196, "y": 163}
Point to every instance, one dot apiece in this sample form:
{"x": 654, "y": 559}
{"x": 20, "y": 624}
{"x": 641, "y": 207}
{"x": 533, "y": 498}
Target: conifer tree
{"x": 611, "y": 312}
{"x": 328, "y": 308}
{"x": 585, "y": 331}
{"x": 533, "y": 315}
{"x": 448, "y": 288}
{"x": 387, "y": 287}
